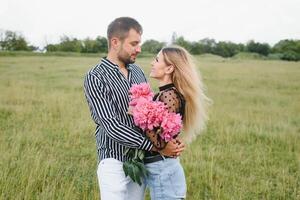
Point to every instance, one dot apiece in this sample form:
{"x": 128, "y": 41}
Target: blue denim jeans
{"x": 166, "y": 180}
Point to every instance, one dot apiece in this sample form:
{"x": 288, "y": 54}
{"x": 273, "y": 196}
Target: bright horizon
{"x": 42, "y": 22}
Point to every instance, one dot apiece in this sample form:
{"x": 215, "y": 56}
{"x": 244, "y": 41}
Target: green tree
{"x": 52, "y": 47}
{"x": 208, "y": 45}
{"x": 289, "y": 49}
{"x": 256, "y": 47}
{"x": 184, "y": 43}
{"x": 13, "y": 41}
{"x": 32, "y": 48}
{"x": 287, "y": 45}
{"x": 69, "y": 44}
{"x": 152, "y": 46}
{"x": 197, "y": 48}
{"x": 101, "y": 44}
{"x": 290, "y": 56}
{"x": 94, "y": 46}
{"x": 226, "y": 49}
{"x": 88, "y": 46}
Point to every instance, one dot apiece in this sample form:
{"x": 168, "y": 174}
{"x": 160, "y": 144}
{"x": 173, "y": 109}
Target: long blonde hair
{"x": 189, "y": 83}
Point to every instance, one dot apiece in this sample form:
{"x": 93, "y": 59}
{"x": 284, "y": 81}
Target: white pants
{"x": 113, "y": 183}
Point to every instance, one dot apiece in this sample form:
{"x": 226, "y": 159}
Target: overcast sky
{"x": 44, "y": 21}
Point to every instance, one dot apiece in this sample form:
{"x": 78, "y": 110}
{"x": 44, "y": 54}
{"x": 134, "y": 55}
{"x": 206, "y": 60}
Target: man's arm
{"x": 104, "y": 114}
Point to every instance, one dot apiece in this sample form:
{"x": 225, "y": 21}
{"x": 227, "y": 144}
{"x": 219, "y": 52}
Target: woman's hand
{"x": 173, "y": 148}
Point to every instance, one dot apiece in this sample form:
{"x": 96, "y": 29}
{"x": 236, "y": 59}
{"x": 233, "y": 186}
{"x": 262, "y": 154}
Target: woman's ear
{"x": 170, "y": 69}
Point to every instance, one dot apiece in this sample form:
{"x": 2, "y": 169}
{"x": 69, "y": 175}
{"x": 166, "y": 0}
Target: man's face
{"x": 130, "y": 47}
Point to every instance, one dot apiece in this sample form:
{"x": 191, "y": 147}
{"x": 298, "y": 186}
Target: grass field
{"x": 250, "y": 150}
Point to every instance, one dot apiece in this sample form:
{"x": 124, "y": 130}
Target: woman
{"x": 181, "y": 89}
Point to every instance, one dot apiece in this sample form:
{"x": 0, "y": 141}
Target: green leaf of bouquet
{"x": 131, "y": 153}
{"x": 131, "y": 171}
{"x": 126, "y": 151}
{"x": 136, "y": 153}
{"x": 137, "y": 174}
{"x": 143, "y": 169}
{"x": 126, "y": 168}
{"x": 141, "y": 154}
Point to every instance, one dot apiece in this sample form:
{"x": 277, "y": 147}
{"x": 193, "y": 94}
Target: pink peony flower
{"x": 137, "y": 91}
{"x": 171, "y": 125}
{"x": 148, "y": 114}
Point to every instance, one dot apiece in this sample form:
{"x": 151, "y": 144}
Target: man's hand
{"x": 129, "y": 112}
{"x": 173, "y": 148}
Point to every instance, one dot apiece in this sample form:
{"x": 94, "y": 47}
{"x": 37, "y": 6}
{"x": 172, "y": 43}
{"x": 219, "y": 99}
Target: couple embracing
{"x": 106, "y": 88}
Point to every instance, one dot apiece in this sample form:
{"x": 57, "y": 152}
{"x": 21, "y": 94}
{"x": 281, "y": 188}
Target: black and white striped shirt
{"x": 106, "y": 90}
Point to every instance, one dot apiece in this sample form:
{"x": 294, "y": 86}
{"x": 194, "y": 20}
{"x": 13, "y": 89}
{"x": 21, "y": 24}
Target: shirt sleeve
{"x": 104, "y": 114}
{"x": 171, "y": 99}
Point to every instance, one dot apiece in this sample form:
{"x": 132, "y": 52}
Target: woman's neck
{"x": 164, "y": 81}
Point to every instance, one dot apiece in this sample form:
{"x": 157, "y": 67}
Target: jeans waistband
{"x": 155, "y": 158}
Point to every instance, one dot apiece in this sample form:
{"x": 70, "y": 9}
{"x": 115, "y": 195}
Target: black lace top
{"x": 175, "y": 102}
{"x": 172, "y": 98}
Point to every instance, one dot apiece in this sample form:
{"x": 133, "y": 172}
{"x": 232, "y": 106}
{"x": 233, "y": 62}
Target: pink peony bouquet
{"x": 148, "y": 114}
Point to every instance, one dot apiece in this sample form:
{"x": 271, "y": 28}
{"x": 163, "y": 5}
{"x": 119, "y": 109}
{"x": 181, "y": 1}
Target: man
{"x": 106, "y": 89}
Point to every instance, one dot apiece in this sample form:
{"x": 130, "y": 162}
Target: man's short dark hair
{"x": 120, "y": 27}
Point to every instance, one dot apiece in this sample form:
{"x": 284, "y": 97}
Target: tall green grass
{"x": 250, "y": 149}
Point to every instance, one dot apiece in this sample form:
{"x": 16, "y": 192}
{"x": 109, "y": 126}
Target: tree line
{"x": 287, "y": 49}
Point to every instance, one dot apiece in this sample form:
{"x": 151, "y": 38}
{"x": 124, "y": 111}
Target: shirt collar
{"x": 113, "y": 65}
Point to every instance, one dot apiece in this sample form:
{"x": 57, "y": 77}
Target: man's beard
{"x": 125, "y": 57}
{"x": 126, "y": 60}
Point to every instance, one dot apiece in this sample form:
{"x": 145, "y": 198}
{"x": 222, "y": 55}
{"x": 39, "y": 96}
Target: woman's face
{"x": 159, "y": 68}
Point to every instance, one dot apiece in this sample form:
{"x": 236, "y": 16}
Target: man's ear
{"x": 170, "y": 69}
{"x": 115, "y": 42}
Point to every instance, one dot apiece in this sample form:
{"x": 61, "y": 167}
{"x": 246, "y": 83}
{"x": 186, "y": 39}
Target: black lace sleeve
{"x": 171, "y": 99}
